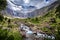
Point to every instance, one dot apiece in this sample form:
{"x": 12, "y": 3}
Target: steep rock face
{"x": 28, "y": 8}
{"x": 43, "y": 11}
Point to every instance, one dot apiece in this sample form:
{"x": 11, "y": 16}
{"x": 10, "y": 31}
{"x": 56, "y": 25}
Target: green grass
{"x": 16, "y": 35}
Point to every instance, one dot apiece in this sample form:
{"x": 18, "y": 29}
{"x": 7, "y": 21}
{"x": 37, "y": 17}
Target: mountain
{"x": 28, "y": 8}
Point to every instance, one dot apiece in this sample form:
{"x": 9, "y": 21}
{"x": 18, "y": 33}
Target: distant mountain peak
{"x": 27, "y": 6}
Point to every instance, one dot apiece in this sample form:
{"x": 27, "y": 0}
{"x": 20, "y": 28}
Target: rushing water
{"x": 30, "y": 33}
{"x": 21, "y": 8}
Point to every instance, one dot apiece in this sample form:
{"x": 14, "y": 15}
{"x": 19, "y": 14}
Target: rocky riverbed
{"x": 29, "y": 34}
